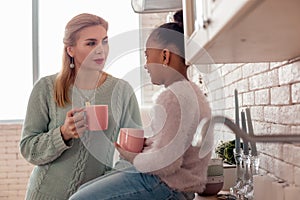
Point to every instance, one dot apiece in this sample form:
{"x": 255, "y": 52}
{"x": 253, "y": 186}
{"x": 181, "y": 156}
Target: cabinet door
{"x": 195, "y": 13}
{"x": 220, "y": 12}
{"x": 208, "y": 18}
{"x": 213, "y": 20}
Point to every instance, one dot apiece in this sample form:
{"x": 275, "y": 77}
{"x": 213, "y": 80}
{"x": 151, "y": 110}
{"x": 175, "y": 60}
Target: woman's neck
{"x": 176, "y": 73}
{"x": 174, "y": 78}
{"x": 89, "y": 79}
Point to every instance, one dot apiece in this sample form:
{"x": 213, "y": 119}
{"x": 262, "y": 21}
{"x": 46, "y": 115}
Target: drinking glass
{"x": 238, "y": 156}
{"x": 246, "y": 189}
{"x": 251, "y": 164}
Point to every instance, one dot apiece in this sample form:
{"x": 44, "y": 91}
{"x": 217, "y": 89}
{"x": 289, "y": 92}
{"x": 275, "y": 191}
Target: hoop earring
{"x": 72, "y": 65}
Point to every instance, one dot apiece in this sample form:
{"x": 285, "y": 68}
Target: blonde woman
{"x": 55, "y": 125}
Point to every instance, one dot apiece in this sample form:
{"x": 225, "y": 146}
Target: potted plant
{"x": 225, "y": 151}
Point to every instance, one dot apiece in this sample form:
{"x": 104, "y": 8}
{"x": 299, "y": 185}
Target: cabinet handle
{"x": 206, "y": 23}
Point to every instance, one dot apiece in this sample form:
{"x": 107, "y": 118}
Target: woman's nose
{"x": 99, "y": 49}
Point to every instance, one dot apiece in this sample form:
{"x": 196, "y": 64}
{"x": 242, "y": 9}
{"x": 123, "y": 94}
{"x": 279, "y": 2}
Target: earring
{"x": 72, "y": 65}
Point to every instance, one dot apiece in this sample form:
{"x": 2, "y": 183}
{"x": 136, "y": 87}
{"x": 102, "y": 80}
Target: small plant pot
{"x": 215, "y": 177}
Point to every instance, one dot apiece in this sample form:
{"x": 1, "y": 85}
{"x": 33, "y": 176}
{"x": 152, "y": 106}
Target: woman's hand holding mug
{"x": 74, "y": 125}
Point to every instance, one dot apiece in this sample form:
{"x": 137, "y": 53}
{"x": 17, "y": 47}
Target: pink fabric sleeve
{"x": 163, "y": 154}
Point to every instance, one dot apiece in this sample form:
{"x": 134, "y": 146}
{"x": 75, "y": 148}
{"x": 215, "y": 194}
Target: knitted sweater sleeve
{"x": 130, "y": 112}
{"x": 40, "y": 145}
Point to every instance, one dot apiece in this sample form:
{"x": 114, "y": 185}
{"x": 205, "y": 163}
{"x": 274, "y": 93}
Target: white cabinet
{"x": 241, "y": 31}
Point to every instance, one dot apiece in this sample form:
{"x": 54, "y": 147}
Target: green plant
{"x": 225, "y": 151}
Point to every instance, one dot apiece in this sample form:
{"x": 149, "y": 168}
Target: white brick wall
{"x": 280, "y": 95}
{"x": 289, "y": 73}
{"x": 272, "y": 92}
{"x": 14, "y": 170}
{"x": 295, "y": 93}
{"x": 262, "y": 97}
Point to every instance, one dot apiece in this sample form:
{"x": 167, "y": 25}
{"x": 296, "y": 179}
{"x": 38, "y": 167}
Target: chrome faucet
{"x": 206, "y": 126}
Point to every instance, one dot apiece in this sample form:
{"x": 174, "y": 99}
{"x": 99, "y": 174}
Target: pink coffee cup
{"x": 132, "y": 139}
{"x": 97, "y": 117}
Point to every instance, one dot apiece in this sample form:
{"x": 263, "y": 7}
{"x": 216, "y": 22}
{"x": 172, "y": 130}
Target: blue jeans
{"x": 128, "y": 183}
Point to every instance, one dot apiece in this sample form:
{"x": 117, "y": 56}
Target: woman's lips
{"x": 99, "y": 61}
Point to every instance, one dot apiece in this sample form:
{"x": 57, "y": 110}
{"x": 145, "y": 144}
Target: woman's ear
{"x": 70, "y": 51}
{"x": 166, "y": 56}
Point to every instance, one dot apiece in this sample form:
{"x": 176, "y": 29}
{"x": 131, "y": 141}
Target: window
{"x": 16, "y": 78}
{"x": 16, "y": 58}
{"x": 122, "y": 31}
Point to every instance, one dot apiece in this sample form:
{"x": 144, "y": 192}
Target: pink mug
{"x": 132, "y": 139}
{"x": 97, "y": 117}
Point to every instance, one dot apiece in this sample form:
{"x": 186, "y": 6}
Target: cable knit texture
{"x": 176, "y": 115}
{"x": 62, "y": 167}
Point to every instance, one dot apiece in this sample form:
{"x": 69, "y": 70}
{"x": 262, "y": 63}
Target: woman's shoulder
{"x": 118, "y": 82}
{"x": 47, "y": 79}
{"x": 183, "y": 92}
{"x": 175, "y": 90}
{"x": 188, "y": 88}
{"x": 45, "y": 83}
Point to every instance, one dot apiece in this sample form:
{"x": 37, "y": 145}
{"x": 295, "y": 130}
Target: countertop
{"x": 210, "y": 197}
{"x": 206, "y": 198}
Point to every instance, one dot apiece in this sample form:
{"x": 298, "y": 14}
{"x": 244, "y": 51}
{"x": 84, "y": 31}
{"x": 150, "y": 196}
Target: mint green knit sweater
{"x": 62, "y": 167}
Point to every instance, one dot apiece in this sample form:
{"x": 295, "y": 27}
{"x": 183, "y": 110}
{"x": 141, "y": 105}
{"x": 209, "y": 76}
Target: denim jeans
{"x": 128, "y": 183}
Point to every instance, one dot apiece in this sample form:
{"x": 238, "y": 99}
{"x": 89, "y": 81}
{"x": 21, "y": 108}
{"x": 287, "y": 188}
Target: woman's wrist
{"x": 62, "y": 131}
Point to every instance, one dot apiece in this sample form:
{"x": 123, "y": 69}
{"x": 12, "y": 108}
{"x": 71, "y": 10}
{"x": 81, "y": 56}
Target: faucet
{"x": 206, "y": 126}
{"x": 204, "y": 136}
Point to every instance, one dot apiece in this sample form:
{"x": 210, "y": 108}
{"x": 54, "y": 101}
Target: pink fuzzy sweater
{"x": 168, "y": 153}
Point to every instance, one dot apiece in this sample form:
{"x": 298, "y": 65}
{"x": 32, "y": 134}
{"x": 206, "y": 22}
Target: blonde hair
{"x": 66, "y": 76}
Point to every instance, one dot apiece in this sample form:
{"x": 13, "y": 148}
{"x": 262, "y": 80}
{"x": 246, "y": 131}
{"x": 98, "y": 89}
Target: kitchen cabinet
{"x": 243, "y": 31}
